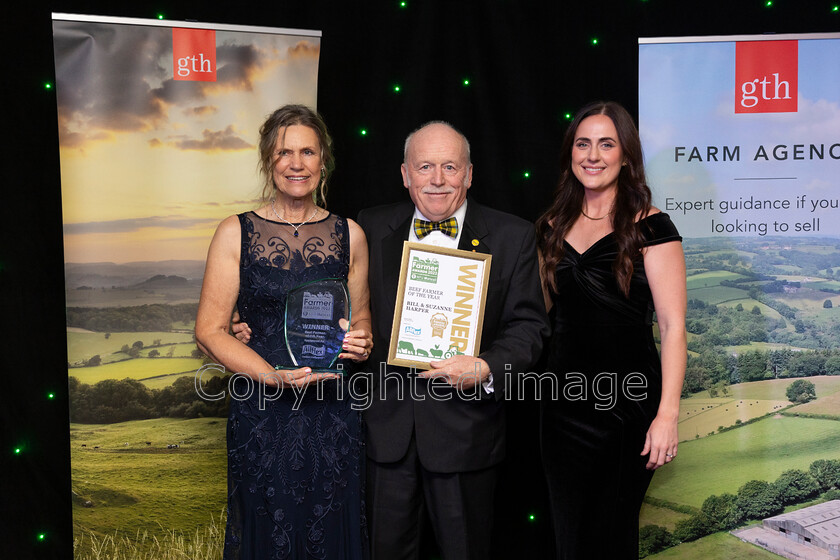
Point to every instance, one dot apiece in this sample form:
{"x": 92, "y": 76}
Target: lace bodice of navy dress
{"x": 295, "y": 473}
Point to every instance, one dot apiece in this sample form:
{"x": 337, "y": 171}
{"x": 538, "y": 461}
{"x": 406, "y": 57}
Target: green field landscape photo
{"x": 762, "y": 318}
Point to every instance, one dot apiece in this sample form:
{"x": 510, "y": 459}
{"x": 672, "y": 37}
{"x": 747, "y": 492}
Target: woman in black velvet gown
{"x": 609, "y": 261}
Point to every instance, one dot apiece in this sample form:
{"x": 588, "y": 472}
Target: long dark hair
{"x": 632, "y": 198}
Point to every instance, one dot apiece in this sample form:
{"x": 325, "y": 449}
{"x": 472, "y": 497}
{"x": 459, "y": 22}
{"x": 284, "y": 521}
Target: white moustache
{"x": 427, "y": 190}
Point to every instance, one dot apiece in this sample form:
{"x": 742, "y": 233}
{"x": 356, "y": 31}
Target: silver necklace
{"x": 284, "y": 220}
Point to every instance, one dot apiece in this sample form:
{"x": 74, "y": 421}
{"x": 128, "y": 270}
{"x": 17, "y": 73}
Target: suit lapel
{"x": 392, "y": 247}
{"x": 475, "y": 230}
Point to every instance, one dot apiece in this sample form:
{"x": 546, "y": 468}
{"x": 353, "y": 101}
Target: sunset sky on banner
{"x": 150, "y": 164}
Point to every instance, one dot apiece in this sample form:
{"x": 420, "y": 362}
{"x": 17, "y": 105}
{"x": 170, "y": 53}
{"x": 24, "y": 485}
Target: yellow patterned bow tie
{"x": 422, "y": 228}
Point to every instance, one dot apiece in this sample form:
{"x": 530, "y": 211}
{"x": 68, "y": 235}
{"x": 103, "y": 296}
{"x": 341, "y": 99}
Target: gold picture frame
{"x": 441, "y": 295}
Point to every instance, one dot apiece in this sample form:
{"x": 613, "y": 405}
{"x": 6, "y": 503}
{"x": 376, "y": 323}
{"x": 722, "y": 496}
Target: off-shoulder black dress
{"x": 609, "y": 384}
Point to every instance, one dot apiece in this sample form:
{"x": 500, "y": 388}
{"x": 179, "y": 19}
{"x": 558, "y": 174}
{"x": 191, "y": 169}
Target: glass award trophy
{"x": 313, "y": 335}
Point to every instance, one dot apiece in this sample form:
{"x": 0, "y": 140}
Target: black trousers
{"x": 459, "y": 506}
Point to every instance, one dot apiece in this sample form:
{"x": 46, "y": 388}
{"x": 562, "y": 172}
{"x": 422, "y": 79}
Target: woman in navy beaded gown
{"x": 609, "y": 260}
{"x": 295, "y": 449}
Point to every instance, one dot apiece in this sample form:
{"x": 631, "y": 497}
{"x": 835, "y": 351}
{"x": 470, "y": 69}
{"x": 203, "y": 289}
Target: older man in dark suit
{"x": 429, "y": 449}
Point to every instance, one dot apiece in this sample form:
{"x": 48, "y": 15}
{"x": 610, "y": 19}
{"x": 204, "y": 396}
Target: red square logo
{"x": 194, "y": 54}
{"x": 766, "y": 76}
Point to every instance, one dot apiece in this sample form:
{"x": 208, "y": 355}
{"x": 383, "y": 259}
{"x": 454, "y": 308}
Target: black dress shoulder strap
{"x": 658, "y": 228}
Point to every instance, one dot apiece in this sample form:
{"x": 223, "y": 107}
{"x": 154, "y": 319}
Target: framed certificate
{"x": 440, "y": 304}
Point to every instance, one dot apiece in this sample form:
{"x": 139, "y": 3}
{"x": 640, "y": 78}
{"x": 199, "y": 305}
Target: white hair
{"x": 430, "y": 123}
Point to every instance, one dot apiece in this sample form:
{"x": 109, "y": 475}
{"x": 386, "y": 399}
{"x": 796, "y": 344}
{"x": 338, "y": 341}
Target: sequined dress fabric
{"x": 295, "y": 461}
{"x": 604, "y": 356}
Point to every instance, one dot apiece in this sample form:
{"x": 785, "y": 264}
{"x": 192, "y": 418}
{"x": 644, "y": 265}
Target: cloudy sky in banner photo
{"x": 150, "y": 165}
{"x": 687, "y": 96}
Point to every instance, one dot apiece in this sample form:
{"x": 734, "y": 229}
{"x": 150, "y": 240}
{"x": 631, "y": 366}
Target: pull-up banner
{"x": 158, "y": 131}
{"x": 742, "y": 143}
{"x": 742, "y": 134}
